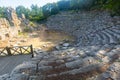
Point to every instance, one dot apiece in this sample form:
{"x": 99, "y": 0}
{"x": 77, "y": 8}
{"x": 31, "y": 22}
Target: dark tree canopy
{"x": 39, "y": 13}
{"x": 22, "y": 10}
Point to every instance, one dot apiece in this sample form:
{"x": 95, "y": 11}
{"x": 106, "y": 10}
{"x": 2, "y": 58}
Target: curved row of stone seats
{"x": 112, "y": 39}
{"x": 72, "y": 59}
{"x": 111, "y": 31}
{"x": 115, "y": 30}
{"x": 104, "y": 36}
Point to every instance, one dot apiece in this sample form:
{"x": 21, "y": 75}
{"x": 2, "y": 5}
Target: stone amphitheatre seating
{"x": 95, "y": 56}
{"x": 86, "y": 61}
{"x": 105, "y": 36}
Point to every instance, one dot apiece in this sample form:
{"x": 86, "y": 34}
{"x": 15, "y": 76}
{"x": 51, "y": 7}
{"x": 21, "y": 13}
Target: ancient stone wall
{"x": 9, "y": 26}
{"x": 4, "y": 29}
{"x": 13, "y": 19}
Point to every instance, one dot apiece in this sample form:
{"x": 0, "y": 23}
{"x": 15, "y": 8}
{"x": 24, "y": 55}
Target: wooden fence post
{"x": 31, "y": 48}
{"x": 21, "y": 50}
{"x": 8, "y": 51}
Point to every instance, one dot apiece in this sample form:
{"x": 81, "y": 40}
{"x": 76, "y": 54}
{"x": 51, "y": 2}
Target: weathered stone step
{"x": 105, "y": 37}
{"x": 83, "y": 40}
{"x": 94, "y": 41}
{"x": 101, "y": 37}
{"x": 98, "y": 36}
{"x": 79, "y": 41}
{"x": 88, "y": 39}
{"x": 97, "y": 39}
{"x": 112, "y": 39}
{"x": 117, "y": 35}
{"x": 115, "y": 30}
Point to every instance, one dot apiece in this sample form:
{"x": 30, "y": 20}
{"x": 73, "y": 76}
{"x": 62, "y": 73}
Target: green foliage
{"x": 32, "y": 24}
{"x": 40, "y": 13}
{"x": 112, "y": 5}
{"x": 2, "y": 10}
{"x": 36, "y": 13}
{"x": 26, "y": 29}
{"x": 22, "y": 34}
{"x": 50, "y": 9}
{"x": 22, "y": 10}
{"x": 63, "y": 5}
{"x": 74, "y": 4}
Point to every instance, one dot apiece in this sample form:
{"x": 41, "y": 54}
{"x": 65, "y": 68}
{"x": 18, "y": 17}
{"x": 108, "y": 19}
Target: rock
{"x": 23, "y": 40}
{"x": 22, "y": 67}
{"x": 18, "y": 43}
{"x": 76, "y": 57}
{"x": 4, "y": 77}
{"x": 57, "y": 47}
{"x": 109, "y": 54}
{"x": 118, "y": 22}
{"x": 53, "y": 75}
{"x": 102, "y": 52}
{"x": 40, "y": 77}
{"x": 86, "y": 71}
{"x": 64, "y": 48}
{"x": 45, "y": 68}
{"x": 18, "y": 77}
{"x": 33, "y": 77}
{"x": 37, "y": 77}
{"x": 61, "y": 66}
{"x": 15, "y": 45}
{"x": 66, "y": 44}
{"x": 12, "y": 17}
{"x": 37, "y": 58}
{"x": 117, "y": 47}
{"x": 113, "y": 72}
{"x": 4, "y": 29}
{"x": 82, "y": 54}
{"x": 81, "y": 62}
{"x": 13, "y": 20}
{"x": 106, "y": 59}
{"x": 60, "y": 61}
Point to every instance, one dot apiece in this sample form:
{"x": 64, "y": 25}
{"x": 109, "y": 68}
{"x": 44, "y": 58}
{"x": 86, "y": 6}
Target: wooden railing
{"x": 8, "y": 51}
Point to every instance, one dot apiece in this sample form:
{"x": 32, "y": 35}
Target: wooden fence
{"x": 8, "y": 51}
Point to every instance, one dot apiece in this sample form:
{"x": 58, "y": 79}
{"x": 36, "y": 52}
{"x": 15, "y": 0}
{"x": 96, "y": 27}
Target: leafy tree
{"x": 50, "y": 9}
{"x": 81, "y": 4}
{"x": 36, "y": 13}
{"x": 35, "y": 10}
{"x": 2, "y": 10}
{"x": 64, "y": 4}
{"x": 54, "y": 8}
{"x": 112, "y": 5}
{"x": 74, "y": 4}
{"x": 22, "y": 10}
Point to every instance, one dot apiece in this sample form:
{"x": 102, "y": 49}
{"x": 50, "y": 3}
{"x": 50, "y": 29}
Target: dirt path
{"x": 8, "y": 63}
